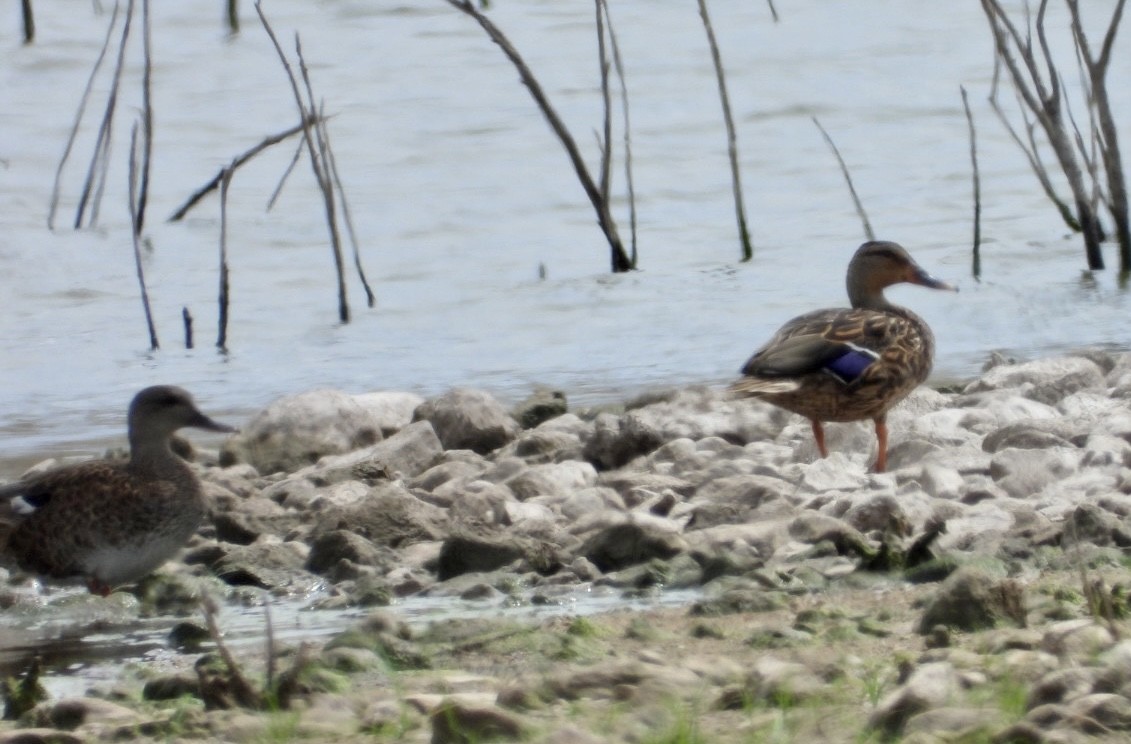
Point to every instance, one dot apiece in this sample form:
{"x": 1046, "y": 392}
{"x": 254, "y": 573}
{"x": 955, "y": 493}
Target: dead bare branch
{"x": 132, "y": 197}
{"x": 239, "y": 160}
{"x": 96, "y": 174}
{"x": 222, "y": 332}
{"x": 619, "y": 259}
{"x": 146, "y": 117}
{"x": 310, "y": 133}
{"x": 1041, "y": 93}
{"x": 977, "y": 241}
{"x": 57, "y": 185}
{"x": 848, "y": 179}
{"x": 732, "y": 139}
{"x": 630, "y": 186}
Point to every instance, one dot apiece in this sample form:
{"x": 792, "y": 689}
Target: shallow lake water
{"x": 477, "y": 237}
{"x": 482, "y": 248}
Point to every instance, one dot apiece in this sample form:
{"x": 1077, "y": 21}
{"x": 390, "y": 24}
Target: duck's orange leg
{"x": 882, "y": 442}
{"x": 819, "y": 435}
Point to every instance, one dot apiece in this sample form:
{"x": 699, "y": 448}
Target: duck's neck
{"x": 151, "y": 452}
{"x": 868, "y": 299}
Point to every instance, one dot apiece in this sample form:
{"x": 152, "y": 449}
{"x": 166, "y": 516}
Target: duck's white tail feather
{"x": 757, "y": 386}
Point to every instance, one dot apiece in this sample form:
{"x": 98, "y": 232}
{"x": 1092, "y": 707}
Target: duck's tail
{"x": 758, "y": 387}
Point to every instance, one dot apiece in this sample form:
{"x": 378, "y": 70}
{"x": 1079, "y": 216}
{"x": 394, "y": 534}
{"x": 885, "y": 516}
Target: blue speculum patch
{"x": 851, "y": 364}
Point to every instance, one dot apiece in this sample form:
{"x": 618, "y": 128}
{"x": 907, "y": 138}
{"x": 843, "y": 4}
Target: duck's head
{"x": 160, "y": 410}
{"x": 878, "y": 264}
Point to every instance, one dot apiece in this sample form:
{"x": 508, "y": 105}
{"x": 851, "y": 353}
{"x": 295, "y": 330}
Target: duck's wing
{"x": 845, "y": 343}
{"x": 82, "y": 485}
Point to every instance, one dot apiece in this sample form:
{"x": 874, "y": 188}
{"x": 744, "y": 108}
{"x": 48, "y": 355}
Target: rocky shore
{"x": 974, "y": 593}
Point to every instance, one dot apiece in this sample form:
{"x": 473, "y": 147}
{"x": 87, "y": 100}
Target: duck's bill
{"x": 203, "y": 422}
{"x": 918, "y": 276}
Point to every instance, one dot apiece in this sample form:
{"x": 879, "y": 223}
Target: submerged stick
{"x": 222, "y": 332}
{"x": 237, "y": 162}
{"x": 977, "y": 267}
{"x": 326, "y": 184}
{"x": 56, "y": 186}
{"x": 153, "y": 345}
{"x": 332, "y": 162}
{"x": 619, "y": 259}
{"x": 848, "y": 178}
{"x": 29, "y": 21}
{"x": 96, "y": 174}
{"x": 630, "y": 185}
{"x": 295, "y": 157}
{"x": 732, "y": 138}
{"x": 605, "y": 178}
{"x": 146, "y": 117}
{"x": 316, "y": 165}
{"x": 186, "y": 318}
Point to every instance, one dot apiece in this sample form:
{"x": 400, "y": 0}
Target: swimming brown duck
{"x": 849, "y": 364}
{"x": 111, "y": 522}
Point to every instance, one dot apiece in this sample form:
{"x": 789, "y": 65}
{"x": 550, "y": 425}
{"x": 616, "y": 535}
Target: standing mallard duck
{"x": 111, "y": 522}
{"x": 849, "y": 364}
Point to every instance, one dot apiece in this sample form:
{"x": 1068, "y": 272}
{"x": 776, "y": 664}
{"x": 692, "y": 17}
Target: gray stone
{"x": 1044, "y": 380}
{"x": 390, "y": 410}
{"x": 540, "y": 406}
{"x": 617, "y": 440}
{"x": 1023, "y": 473}
{"x": 469, "y": 419}
{"x": 629, "y": 543}
{"x": 409, "y": 452}
{"x": 298, "y": 430}
{"x": 387, "y": 515}
{"x": 555, "y": 479}
{"x": 454, "y": 722}
{"x": 929, "y": 686}
{"x": 971, "y": 600}
{"x": 334, "y": 546}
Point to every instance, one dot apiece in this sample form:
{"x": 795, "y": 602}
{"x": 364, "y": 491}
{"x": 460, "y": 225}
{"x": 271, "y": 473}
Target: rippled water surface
{"x": 461, "y": 197}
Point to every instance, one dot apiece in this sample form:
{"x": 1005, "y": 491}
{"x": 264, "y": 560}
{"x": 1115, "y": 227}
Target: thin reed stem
{"x": 630, "y": 185}
{"x": 147, "y": 116}
{"x": 848, "y": 179}
{"x": 225, "y": 296}
{"x": 56, "y": 186}
{"x": 977, "y": 248}
{"x": 29, "y": 21}
{"x": 239, "y": 160}
{"x": 619, "y": 259}
{"x": 132, "y": 196}
{"x": 732, "y": 138}
{"x": 96, "y": 174}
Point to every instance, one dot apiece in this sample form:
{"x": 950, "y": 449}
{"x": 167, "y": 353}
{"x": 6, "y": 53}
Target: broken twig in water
{"x": 186, "y": 319}
{"x": 222, "y": 330}
{"x": 146, "y": 118}
{"x": 239, "y": 160}
{"x": 619, "y": 259}
{"x": 132, "y": 196}
{"x": 99, "y": 163}
{"x": 370, "y": 298}
{"x": 732, "y": 138}
{"x": 977, "y": 261}
{"x": 630, "y": 186}
{"x": 316, "y": 151}
{"x": 56, "y": 187}
{"x": 29, "y": 21}
{"x": 848, "y": 179}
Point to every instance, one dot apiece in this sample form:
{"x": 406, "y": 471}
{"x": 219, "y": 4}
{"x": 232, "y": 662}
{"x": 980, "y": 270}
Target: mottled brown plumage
{"x": 849, "y": 364}
{"x": 111, "y": 522}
